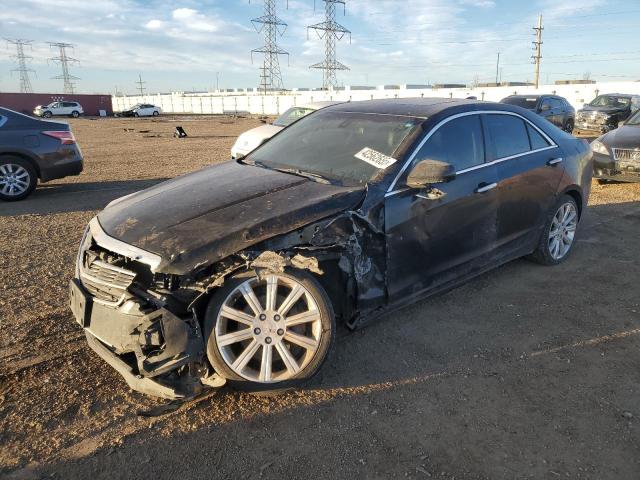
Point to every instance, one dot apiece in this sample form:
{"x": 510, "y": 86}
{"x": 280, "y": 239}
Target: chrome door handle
{"x": 485, "y": 188}
{"x": 554, "y": 161}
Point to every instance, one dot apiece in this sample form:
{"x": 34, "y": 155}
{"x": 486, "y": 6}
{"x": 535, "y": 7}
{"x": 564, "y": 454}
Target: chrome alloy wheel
{"x": 268, "y": 329}
{"x": 14, "y": 179}
{"x": 563, "y": 230}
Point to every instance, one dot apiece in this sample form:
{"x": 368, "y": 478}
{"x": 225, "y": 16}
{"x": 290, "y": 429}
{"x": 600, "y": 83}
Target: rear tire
{"x": 18, "y": 178}
{"x": 155, "y": 113}
{"x": 568, "y": 126}
{"x": 558, "y": 235}
{"x": 278, "y": 345}
{"x": 75, "y": 114}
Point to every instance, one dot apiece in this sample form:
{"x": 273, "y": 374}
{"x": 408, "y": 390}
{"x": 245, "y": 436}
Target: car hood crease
{"x": 208, "y": 215}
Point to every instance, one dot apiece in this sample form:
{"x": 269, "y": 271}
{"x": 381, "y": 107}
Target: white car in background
{"x": 252, "y": 139}
{"x": 67, "y": 109}
{"x": 141, "y": 110}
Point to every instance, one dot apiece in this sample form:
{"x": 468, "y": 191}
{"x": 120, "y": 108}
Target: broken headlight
{"x": 599, "y": 147}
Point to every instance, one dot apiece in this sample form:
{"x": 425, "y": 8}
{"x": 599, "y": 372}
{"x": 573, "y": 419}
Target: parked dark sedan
{"x": 616, "y": 154}
{"x": 32, "y": 149}
{"x": 556, "y": 109}
{"x": 606, "y": 112}
{"x": 238, "y": 272}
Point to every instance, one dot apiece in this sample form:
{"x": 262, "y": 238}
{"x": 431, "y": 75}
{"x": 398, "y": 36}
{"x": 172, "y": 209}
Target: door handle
{"x": 484, "y": 187}
{"x": 554, "y": 161}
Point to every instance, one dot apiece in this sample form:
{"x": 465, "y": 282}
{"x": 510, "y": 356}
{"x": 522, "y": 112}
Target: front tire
{"x": 269, "y": 333}
{"x": 136, "y": 115}
{"x": 18, "y": 178}
{"x": 46, "y": 114}
{"x": 559, "y": 232}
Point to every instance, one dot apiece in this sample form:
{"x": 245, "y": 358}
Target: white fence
{"x": 273, "y": 104}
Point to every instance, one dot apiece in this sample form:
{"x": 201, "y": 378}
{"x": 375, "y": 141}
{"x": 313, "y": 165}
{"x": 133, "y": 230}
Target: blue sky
{"x": 181, "y": 44}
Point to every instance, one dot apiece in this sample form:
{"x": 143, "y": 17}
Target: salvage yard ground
{"x": 525, "y": 372}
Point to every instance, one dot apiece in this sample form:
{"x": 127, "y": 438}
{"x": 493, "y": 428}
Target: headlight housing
{"x": 598, "y": 147}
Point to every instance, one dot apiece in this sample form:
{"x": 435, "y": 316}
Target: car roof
{"x": 409, "y": 107}
{"x": 319, "y": 105}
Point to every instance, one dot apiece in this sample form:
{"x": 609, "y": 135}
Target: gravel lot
{"x": 525, "y": 372}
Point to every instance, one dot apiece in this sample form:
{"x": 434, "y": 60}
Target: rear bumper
{"x": 65, "y": 162}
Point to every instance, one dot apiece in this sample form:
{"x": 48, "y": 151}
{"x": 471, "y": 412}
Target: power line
{"x": 64, "y": 60}
{"x": 21, "y": 58}
{"x": 273, "y": 27}
{"x": 332, "y": 32}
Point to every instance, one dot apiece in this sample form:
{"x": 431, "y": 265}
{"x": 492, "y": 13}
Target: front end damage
{"x": 148, "y": 325}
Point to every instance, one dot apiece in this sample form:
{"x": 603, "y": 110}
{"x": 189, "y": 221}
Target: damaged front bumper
{"x": 148, "y": 349}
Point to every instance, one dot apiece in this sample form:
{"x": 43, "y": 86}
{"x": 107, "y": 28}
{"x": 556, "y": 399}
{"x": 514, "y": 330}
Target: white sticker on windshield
{"x": 375, "y": 158}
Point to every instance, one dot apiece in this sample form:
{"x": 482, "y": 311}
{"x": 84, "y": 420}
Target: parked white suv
{"x": 252, "y": 139}
{"x": 67, "y": 109}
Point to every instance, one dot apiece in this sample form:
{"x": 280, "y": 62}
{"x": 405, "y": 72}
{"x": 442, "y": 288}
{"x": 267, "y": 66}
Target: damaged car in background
{"x": 238, "y": 273}
{"x": 606, "y": 113}
{"x": 616, "y": 155}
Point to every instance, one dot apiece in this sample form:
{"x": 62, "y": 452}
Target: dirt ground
{"x": 525, "y": 372}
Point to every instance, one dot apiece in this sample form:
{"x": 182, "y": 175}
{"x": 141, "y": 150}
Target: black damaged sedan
{"x": 238, "y": 273}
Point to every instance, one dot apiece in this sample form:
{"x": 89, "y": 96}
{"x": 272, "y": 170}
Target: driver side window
{"x": 458, "y": 142}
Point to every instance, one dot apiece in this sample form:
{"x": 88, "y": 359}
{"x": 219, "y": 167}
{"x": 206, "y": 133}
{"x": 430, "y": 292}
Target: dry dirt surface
{"x": 525, "y": 372}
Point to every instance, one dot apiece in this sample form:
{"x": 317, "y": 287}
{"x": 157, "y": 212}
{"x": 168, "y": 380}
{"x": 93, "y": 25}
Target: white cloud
{"x": 155, "y": 24}
{"x": 193, "y": 20}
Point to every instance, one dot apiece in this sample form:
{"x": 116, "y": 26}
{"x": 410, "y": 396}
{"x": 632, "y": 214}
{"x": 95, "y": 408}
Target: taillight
{"x": 65, "y": 137}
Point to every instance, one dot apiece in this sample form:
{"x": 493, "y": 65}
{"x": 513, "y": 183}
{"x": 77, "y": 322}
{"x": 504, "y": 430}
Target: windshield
{"x": 524, "y": 102}
{"x": 610, "y": 101}
{"x": 137, "y": 105}
{"x": 349, "y": 148}
{"x": 635, "y": 120}
{"x": 291, "y": 115}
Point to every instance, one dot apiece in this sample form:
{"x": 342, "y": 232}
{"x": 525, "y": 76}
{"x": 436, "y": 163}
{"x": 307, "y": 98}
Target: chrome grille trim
{"x": 626, "y": 154}
{"x": 106, "y": 282}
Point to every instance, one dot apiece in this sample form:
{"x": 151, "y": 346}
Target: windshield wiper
{"x": 292, "y": 171}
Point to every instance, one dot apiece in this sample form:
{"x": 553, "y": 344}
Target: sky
{"x": 185, "y": 45}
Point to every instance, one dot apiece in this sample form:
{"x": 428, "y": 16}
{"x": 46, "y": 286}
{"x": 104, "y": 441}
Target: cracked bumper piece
{"x": 154, "y": 351}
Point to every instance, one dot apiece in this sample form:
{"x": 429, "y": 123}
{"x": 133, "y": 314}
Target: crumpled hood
{"x": 252, "y": 139}
{"x": 205, "y": 216}
{"x": 591, "y": 108}
{"x": 627, "y": 136}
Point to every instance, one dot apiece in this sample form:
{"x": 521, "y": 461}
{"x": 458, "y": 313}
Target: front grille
{"x": 626, "y": 154}
{"x": 104, "y": 281}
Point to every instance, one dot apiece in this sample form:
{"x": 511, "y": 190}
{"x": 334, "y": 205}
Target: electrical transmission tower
{"x": 272, "y": 27}
{"x": 537, "y": 47}
{"x": 21, "y": 58}
{"x": 331, "y": 32}
{"x": 141, "y": 85}
{"x": 64, "y": 60}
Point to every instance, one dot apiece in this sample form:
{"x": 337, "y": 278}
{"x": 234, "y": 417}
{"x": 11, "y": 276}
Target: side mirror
{"x": 428, "y": 172}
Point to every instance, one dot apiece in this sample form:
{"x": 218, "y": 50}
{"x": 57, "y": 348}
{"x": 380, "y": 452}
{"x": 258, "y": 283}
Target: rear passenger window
{"x": 508, "y": 135}
{"x": 458, "y": 142}
{"x": 537, "y": 140}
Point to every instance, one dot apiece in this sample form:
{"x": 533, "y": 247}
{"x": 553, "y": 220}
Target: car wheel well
{"x": 578, "y": 198}
{"x": 34, "y": 164}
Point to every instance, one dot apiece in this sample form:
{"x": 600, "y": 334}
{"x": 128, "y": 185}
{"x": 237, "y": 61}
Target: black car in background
{"x": 616, "y": 154}
{"x": 556, "y": 109}
{"x": 606, "y": 112}
{"x": 32, "y": 149}
{"x": 238, "y": 272}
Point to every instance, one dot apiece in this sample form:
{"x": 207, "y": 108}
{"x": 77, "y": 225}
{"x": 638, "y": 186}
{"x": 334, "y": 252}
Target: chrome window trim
{"x": 122, "y": 248}
{"x": 391, "y": 191}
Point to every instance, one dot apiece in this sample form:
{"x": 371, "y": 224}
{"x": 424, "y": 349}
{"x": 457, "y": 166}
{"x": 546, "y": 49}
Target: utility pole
{"x": 273, "y": 27}
{"x": 331, "y": 32}
{"x": 140, "y": 85}
{"x": 498, "y": 70}
{"x": 218, "y": 81}
{"x": 64, "y": 60}
{"x": 537, "y": 47}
